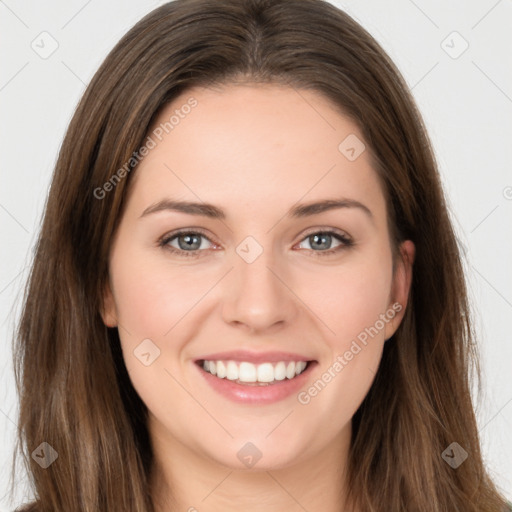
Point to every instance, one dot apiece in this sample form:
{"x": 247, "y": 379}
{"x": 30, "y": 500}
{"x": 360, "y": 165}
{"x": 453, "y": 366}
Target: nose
{"x": 257, "y": 296}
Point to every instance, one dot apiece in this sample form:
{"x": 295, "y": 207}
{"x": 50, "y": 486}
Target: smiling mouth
{"x": 249, "y": 374}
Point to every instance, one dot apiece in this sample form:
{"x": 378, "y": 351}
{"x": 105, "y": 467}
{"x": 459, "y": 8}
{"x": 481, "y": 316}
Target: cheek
{"x": 351, "y": 298}
{"x": 154, "y": 303}
{"x": 161, "y": 302}
{"x": 352, "y": 303}
{"x": 153, "y": 296}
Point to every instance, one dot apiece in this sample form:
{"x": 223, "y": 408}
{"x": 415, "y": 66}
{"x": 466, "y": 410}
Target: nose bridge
{"x": 256, "y": 297}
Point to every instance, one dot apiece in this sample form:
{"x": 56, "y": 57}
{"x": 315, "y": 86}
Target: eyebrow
{"x": 214, "y": 212}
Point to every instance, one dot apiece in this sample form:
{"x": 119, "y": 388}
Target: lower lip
{"x": 251, "y": 394}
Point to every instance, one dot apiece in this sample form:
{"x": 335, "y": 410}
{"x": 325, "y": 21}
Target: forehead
{"x": 255, "y": 145}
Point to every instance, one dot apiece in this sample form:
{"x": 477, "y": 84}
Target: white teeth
{"x": 232, "y": 371}
{"x": 265, "y": 372}
{"x": 249, "y": 372}
{"x": 221, "y": 369}
{"x": 280, "y": 371}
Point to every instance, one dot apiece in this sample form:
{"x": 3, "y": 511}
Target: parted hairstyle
{"x": 74, "y": 390}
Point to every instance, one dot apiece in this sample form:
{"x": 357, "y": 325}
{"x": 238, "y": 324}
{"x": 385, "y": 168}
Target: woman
{"x": 256, "y": 298}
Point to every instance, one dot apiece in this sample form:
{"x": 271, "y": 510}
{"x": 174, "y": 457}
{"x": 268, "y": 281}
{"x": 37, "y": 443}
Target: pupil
{"x": 323, "y": 245}
{"x": 191, "y": 242}
{"x": 322, "y": 241}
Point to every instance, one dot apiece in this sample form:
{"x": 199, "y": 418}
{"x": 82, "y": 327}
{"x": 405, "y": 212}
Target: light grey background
{"x": 466, "y": 101}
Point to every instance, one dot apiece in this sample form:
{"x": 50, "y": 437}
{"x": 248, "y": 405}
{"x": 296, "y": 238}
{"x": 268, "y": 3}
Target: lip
{"x": 257, "y": 395}
{"x": 254, "y": 357}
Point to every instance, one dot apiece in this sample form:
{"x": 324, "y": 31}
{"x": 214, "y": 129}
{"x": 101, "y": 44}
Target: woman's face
{"x": 261, "y": 277}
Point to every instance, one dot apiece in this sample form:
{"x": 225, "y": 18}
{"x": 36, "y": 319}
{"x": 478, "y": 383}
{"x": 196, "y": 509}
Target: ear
{"x": 109, "y": 312}
{"x": 401, "y": 285}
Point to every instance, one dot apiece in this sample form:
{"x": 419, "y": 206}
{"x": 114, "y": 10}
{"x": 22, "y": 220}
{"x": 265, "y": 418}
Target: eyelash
{"x": 346, "y": 242}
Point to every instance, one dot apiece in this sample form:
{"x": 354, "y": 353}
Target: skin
{"x": 255, "y": 151}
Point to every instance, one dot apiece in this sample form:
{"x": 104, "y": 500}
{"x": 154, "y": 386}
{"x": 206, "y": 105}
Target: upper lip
{"x": 254, "y": 357}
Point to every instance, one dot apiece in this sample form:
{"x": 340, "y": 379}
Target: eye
{"x": 186, "y": 243}
{"x": 190, "y": 243}
{"x": 324, "y": 239}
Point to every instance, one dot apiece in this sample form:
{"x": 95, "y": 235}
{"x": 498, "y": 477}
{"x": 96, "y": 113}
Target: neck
{"x": 186, "y": 480}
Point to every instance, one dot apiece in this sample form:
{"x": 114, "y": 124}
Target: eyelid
{"x": 343, "y": 237}
{"x": 326, "y": 229}
{"x": 165, "y": 239}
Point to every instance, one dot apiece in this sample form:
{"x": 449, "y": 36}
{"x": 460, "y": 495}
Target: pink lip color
{"x": 257, "y": 395}
{"x": 254, "y": 357}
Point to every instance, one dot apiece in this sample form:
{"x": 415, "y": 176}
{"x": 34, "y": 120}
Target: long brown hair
{"x": 75, "y": 393}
